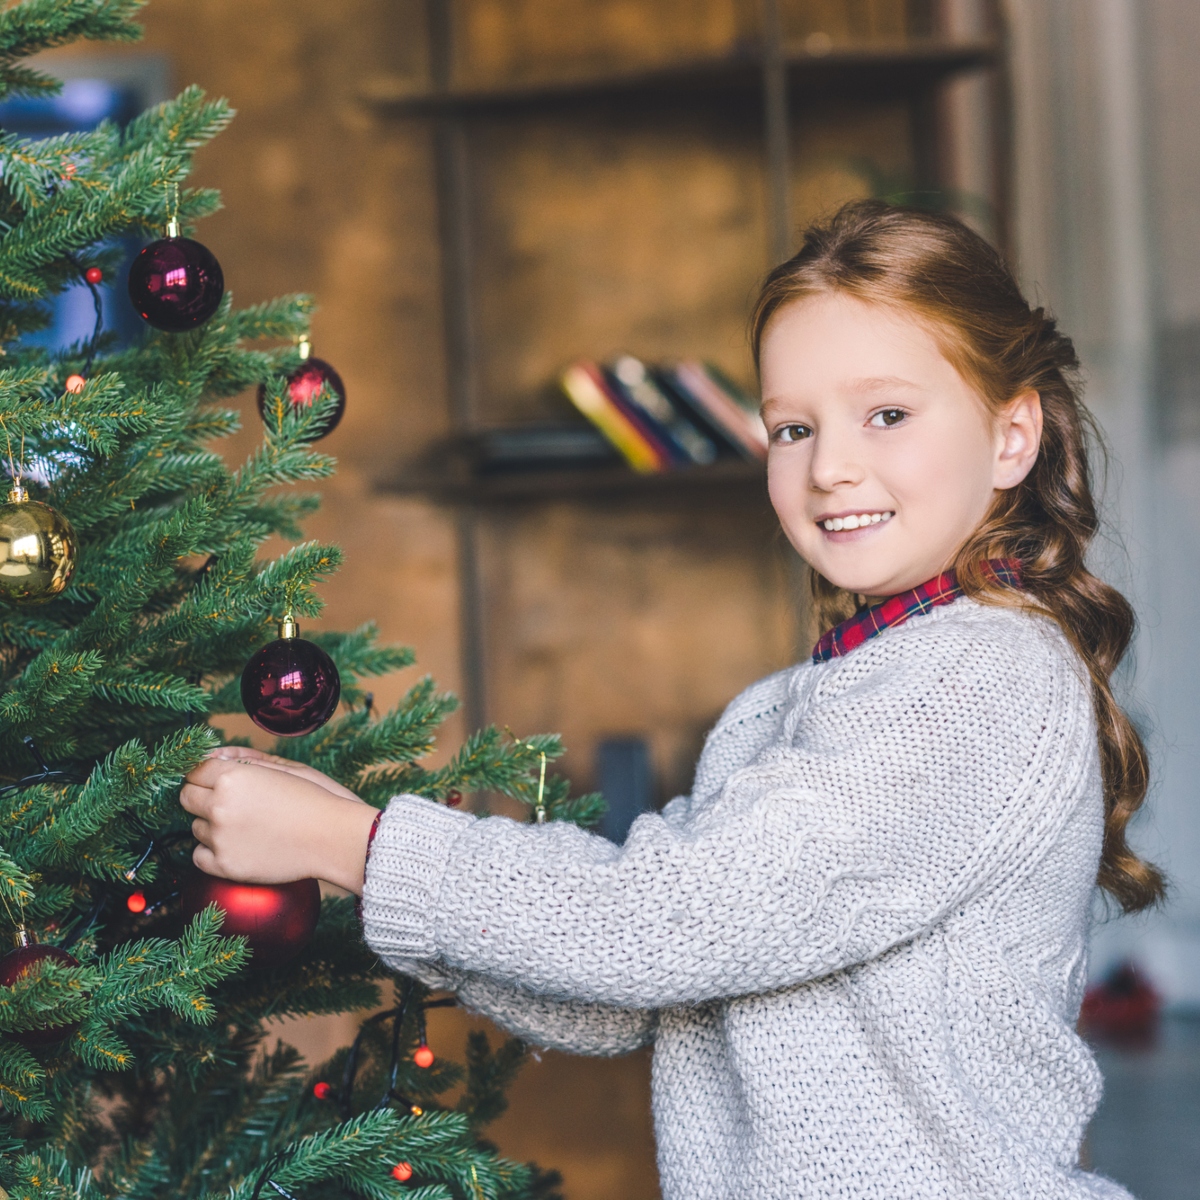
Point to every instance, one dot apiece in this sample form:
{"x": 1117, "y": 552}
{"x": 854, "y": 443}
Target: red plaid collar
{"x": 895, "y": 610}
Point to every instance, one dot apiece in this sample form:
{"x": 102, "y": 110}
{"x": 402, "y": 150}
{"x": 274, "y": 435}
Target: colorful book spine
{"x": 587, "y": 389}
{"x": 690, "y": 445}
{"x": 723, "y": 405}
{"x": 727, "y": 445}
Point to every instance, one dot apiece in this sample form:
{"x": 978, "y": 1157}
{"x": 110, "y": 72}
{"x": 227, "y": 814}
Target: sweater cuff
{"x": 404, "y": 875}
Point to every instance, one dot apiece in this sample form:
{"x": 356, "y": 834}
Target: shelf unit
{"x": 722, "y": 480}
{"x": 884, "y": 68}
{"x": 771, "y": 72}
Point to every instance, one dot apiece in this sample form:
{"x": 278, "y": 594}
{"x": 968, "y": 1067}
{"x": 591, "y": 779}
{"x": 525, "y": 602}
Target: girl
{"x": 858, "y": 946}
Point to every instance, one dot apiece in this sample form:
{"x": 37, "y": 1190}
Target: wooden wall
{"x": 595, "y": 233}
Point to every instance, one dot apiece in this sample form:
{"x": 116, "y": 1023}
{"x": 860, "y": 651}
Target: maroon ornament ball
{"x": 304, "y": 385}
{"x": 25, "y": 960}
{"x": 290, "y": 687}
{"x": 276, "y": 919}
{"x": 176, "y": 284}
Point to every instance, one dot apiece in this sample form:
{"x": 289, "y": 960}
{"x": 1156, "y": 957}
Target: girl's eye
{"x": 888, "y": 417}
{"x": 792, "y": 433}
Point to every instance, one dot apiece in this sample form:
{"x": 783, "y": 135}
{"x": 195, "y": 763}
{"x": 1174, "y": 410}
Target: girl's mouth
{"x": 854, "y": 521}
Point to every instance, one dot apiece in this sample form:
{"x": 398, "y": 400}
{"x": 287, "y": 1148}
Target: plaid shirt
{"x": 895, "y": 610}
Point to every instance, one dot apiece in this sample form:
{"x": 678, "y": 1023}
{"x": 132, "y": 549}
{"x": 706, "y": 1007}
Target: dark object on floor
{"x": 624, "y": 777}
{"x": 1123, "y": 1008}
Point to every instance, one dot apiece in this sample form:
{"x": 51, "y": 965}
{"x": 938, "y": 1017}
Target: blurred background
{"x": 480, "y": 192}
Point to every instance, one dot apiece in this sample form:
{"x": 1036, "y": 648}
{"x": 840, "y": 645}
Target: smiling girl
{"x": 858, "y": 946}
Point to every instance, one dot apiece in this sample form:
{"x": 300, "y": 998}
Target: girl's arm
{"x": 935, "y": 768}
{"x": 573, "y": 1026}
{"x": 576, "y": 1026}
{"x": 935, "y": 764}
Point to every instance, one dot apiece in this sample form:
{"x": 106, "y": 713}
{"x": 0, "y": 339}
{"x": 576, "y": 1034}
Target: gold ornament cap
{"x": 172, "y": 228}
{"x": 305, "y": 347}
{"x": 288, "y": 628}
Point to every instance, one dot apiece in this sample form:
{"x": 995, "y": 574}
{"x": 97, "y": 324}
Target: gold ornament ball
{"x": 37, "y": 550}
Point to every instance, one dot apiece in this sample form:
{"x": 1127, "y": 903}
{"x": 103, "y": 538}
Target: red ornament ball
{"x": 93, "y": 275}
{"x": 176, "y": 284}
{"x": 304, "y": 385}
{"x": 136, "y": 902}
{"x": 27, "y": 960}
{"x": 423, "y": 1057}
{"x": 453, "y": 799}
{"x": 402, "y": 1171}
{"x": 75, "y": 384}
{"x": 290, "y": 687}
{"x": 277, "y": 919}
{"x": 322, "y": 1090}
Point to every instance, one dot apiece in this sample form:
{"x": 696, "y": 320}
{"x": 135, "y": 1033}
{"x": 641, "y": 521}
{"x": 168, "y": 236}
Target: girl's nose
{"x": 833, "y": 463}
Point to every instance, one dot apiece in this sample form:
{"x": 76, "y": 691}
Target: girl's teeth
{"x": 834, "y": 524}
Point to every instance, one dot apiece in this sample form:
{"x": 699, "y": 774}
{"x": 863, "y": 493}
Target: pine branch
{"x": 36, "y": 25}
{"x": 488, "y": 1075}
{"x": 22, "y": 1082}
{"x": 49, "y": 1176}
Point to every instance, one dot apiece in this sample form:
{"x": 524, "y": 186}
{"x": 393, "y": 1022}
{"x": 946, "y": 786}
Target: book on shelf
{"x": 664, "y": 418}
{"x": 689, "y": 445}
{"x": 547, "y": 446}
{"x": 714, "y": 399}
{"x": 592, "y": 393}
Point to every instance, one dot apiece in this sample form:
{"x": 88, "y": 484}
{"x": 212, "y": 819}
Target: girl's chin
{"x": 860, "y": 579}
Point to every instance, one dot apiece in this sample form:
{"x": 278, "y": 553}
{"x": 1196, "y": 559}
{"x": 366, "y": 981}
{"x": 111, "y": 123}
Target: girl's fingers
{"x": 211, "y": 769}
{"x": 195, "y": 799}
{"x": 226, "y": 757}
{"x": 303, "y": 771}
{"x": 202, "y": 832}
{"x": 204, "y": 858}
{"x": 238, "y": 752}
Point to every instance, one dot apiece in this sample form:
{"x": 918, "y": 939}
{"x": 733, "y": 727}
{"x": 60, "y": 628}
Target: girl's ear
{"x": 1018, "y": 436}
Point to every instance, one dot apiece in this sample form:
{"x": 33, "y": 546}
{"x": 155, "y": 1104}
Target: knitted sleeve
{"x": 922, "y": 769}
{"x": 576, "y": 1026}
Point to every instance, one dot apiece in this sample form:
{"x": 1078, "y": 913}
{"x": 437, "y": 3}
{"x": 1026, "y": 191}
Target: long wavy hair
{"x": 934, "y": 268}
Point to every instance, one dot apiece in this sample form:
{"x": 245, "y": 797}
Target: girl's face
{"x": 883, "y": 460}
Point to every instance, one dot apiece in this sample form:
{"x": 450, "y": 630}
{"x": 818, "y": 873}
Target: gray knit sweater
{"x": 858, "y": 946}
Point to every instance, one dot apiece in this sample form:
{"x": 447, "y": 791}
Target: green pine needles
{"x": 165, "y": 1084}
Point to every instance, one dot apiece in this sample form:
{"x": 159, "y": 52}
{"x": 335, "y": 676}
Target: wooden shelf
{"x": 888, "y": 68}
{"x": 721, "y": 480}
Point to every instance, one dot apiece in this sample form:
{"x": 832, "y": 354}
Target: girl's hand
{"x": 247, "y": 754}
{"x": 259, "y": 823}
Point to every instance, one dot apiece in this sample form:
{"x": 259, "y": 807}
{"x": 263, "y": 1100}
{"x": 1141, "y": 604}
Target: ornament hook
{"x": 17, "y": 495}
{"x": 172, "y": 210}
{"x": 539, "y": 807}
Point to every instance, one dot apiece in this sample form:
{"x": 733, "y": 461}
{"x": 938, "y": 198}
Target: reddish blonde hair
{"x": 933, "y": 267}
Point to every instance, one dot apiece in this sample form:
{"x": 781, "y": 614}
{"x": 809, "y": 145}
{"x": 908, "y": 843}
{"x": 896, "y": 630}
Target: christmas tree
{"x": 133, "y": 1057}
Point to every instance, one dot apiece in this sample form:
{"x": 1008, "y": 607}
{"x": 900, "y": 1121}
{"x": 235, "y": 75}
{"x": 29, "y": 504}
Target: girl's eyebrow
{"x": 867, "y": 385}
{"x": 884, "y": 383}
